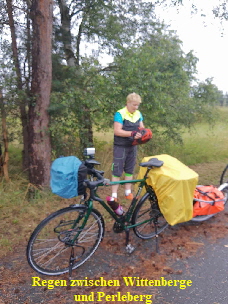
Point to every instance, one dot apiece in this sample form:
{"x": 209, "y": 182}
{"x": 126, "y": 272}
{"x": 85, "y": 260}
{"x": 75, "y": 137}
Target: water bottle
{"x": 116, "y": 207}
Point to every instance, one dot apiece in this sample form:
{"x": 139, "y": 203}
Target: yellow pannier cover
{"x": 174, "y": 184}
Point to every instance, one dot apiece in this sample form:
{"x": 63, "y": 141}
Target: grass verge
{"x": 204, "y": 149}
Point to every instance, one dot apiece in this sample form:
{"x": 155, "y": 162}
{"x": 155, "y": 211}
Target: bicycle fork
{"x": 84, "y": 216}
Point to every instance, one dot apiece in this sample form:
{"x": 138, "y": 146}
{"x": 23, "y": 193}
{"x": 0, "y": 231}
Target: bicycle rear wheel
{"x": 49, "y": 249}
{"x": 147, "y": 212}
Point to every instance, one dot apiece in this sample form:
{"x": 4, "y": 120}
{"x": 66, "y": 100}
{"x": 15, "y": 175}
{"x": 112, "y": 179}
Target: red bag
{"x": 207, "y": 200}
{"x": 146, "y": 136}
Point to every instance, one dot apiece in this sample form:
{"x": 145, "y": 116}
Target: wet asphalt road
{"x": 208, "y": 273}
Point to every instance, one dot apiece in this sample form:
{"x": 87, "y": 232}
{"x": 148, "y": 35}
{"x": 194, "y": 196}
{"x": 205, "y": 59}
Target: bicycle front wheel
{"x": 50, "y": 245}
{"x": 148, "y": 214}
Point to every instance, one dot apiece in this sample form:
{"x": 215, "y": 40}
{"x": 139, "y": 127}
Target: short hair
{"x": 134, "y": 97}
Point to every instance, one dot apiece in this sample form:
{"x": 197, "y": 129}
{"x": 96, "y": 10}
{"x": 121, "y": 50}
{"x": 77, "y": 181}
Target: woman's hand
{"x": 136, "y": 134}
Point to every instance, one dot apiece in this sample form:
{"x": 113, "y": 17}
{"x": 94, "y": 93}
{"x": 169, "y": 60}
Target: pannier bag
{"x": 67, "y": 176}
{"x": 174, "y": 184}
{"x": 207, "y": 200}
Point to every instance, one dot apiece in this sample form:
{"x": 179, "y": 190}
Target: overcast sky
{"x": 205, "y": 36}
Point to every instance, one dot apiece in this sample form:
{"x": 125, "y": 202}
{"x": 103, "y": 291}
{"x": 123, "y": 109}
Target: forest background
{"x": 58, "y": 94}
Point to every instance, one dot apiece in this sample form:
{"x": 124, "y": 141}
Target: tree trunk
{"x": 85, "y": 128}
{"x": 5, "y": 156}
{"x": 23, "y": 112}
{"x": 66, "y": 33}
{"x": 39, "y": 137}
{"x": 84, "y": 117}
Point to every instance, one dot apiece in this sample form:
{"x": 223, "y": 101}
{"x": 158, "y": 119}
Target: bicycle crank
{"x": 118, "y": 228}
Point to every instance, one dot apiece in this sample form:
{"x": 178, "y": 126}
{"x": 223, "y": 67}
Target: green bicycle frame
{"x": 119, "y": 219}
{"x": 126, "y": 218}
{"x": 133, "y": 203}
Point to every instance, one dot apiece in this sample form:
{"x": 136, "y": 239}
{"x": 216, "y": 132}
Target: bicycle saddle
{"x": 153, "y": 162}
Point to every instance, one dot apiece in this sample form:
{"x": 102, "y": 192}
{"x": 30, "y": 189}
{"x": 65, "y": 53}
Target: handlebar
{"x": 96, "y": 173}
{"x": 101, "y": 181}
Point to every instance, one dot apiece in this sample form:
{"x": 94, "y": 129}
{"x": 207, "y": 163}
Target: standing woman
{"x": 126, "y": 123}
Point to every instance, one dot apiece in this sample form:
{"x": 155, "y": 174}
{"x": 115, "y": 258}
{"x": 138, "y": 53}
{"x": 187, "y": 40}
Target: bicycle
{"x": 67, "y": 238}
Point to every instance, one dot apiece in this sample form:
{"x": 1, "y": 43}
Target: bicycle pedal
{"x": 130, "y": 248}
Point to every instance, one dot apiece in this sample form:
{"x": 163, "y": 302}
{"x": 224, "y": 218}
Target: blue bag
{"x": 67, "y": 175}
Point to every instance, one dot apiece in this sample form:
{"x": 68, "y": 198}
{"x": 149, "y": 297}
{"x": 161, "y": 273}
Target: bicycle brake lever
{"x": 106, "y": 181}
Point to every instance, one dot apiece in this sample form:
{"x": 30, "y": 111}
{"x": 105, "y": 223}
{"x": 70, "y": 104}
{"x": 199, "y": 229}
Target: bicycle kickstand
{"x": 129, "y": 248}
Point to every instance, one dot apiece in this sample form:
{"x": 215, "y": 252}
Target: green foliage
{"x": 207, "y": 93}
{"x": 155, "y": 67}
{"x": 78, "y": 98}
{"x": 147, "y": 58}
{"x": 161, "y": 73}
{"x": 203, "y": 143}
{"x": 220, "y": 9}
{"x": 86, "y": 88}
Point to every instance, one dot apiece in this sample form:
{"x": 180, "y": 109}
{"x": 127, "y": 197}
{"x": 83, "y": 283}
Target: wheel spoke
{"x": 49, "y": 247}
{"x": 86, "y": 233}
{"x": 148, "y": 214}
{"x": 51, "y": 259}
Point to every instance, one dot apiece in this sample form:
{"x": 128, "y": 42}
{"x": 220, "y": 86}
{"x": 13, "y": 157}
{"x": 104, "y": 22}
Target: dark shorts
{"x": 124, "y": 159}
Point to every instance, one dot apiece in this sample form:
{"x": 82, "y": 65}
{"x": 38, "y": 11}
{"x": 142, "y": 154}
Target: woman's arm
{"x": 118, "y": 131}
